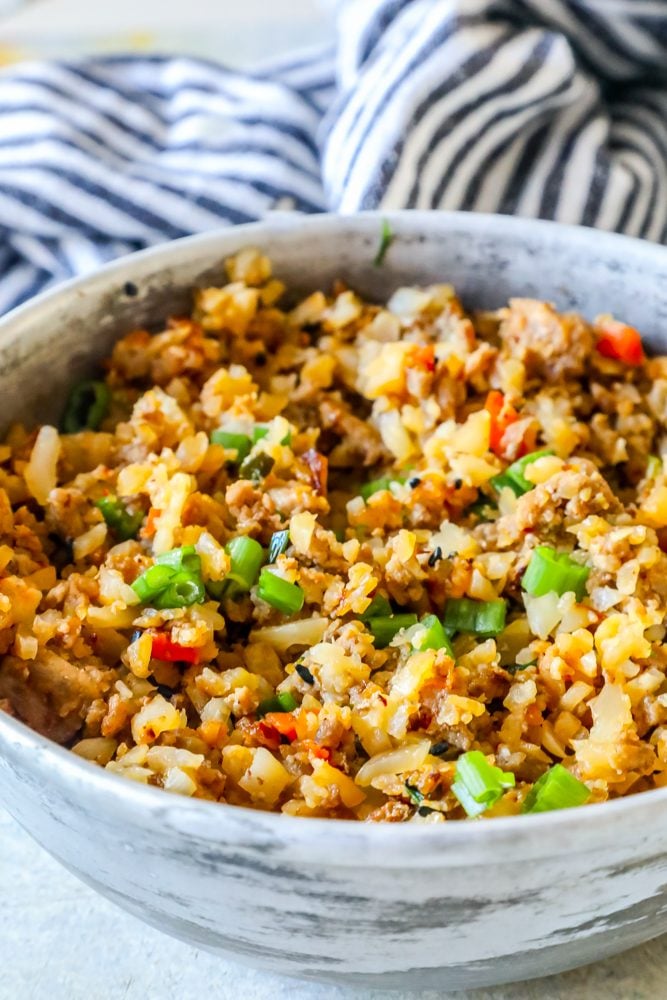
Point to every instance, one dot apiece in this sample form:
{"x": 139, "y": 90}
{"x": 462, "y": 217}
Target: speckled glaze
{"x": 410, "y": 906}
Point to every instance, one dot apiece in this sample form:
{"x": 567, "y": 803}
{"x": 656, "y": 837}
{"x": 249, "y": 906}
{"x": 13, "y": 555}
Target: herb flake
{"x": 386, "y": 239}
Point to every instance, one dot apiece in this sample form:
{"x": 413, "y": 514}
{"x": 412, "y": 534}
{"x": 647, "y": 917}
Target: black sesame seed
{"x": 304, "y": 673}
{"x": 165, "y": 691}
{"x": 412, "y": 483}
{"x": 260, "y": 359}
{"x": 435, "y": 556}
{"x": 439, "y": 748}
{"x": 130, "y": 289}
{"x": 458, "y": 483}
{"x": 426, "y": 810}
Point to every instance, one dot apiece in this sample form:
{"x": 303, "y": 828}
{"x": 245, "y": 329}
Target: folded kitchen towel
{"x": 551, "y": 108}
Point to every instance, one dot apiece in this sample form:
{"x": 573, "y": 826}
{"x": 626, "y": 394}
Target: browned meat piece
{"x": 390, "y": 812}
{"x": 69, "y": 513}
{"x": 360, "y": 441}
{"x": 569, "y": 496}
{"x": 552, "y": 346}
{"x": 51, "y": 694}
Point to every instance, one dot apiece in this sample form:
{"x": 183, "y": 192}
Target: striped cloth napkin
{"x": 552, "y": 108}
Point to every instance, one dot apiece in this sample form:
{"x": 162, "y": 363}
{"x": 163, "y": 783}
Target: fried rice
{"x": 339, "y": 559}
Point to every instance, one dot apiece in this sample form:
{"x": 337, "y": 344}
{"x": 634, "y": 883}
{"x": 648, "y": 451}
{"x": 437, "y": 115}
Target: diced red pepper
{"x": 316, "y": 750}
{"x": 164, "y": 649}
{"x": 423, "y": 357}
{"x": 282, "y": 722}
{"x": 621, "y": 342}
{"x": 265, "y": 736}
{"x": 502, "y": 415}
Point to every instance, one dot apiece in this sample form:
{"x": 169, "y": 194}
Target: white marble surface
{"x": 59, "y": 940}
{"x": 236, "y": 33}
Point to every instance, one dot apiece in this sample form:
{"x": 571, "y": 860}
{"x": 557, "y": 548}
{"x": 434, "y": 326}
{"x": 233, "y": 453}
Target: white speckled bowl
{"x": 411, "y": 906}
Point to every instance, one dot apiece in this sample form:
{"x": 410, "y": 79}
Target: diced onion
{"x": 405, "y": 758}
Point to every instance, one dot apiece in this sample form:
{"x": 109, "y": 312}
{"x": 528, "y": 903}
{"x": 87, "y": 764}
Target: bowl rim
{"x": 21, "y": 739}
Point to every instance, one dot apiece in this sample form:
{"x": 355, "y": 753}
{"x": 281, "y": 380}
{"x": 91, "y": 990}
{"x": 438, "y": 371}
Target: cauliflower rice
{"x": 461, "y": 587}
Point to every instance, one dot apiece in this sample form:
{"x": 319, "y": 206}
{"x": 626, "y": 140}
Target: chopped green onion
{"x": 433, "y": 636}
{"x": 483, "y": 618}
{"x": 384, "y": 628}
{"x": 378, "y": 608}
{"x": 247, "y": 558}
{"x": 414, "y": 794}
{"x": 123, "y": 524}
{"x": 86, "y": 407}
{"x": 260, "y": 431}
{"x": 550, "y": 571}
{"x": 557, "y": 789}
{"x": 514, "y": 668}
{"x": 280, "y": 594}
{"x": 653, "y": 466}
{"x": 384, "y": 483}
{"x": 513, "y": 476}
{"x": 484, "y": 509}
{"x": 278, "y": 544}
{"x": 241, "y": 443}
{"x": 152, "y": 582}
{"x": 183, "y": 559}
{"x": 256, "y": 467}
{"x": 182, "y": 590}
{"x": 386, "y": 239}
{"x": 478, "y": 784}
{"x": 283, "y": 702}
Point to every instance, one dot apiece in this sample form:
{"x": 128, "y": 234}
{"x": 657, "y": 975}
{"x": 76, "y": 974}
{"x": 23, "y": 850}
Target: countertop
{"x": 58, "y": 939}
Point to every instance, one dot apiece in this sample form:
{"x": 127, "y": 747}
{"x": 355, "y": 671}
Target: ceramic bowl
{"x": 406, "y": 905}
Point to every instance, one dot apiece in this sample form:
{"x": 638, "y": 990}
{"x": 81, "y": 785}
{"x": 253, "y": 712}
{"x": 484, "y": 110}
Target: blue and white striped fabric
{"x": 552, "y": 108}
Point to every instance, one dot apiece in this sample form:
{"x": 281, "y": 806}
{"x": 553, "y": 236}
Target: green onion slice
{"x": 256, "y": 467}
{"x": 483, "y": 618}
{"x": 152, "y": 582}
{"x": 557, "y": 789}
{"x": 433, "y": 636}
{"x": 86, "y": 407}
{"x": 241, "y": 443}
{"x": 278, "y": 544}
{"x": 385, "y": 627}
{"x": 247, "y": 558}
{"x": 183, "y": 590}
{"x": 550, "y": 571}
{"x": 283, "y": 702}
{"x": 260, "y": 431}
{"x": 123, "y": 524}
{"x": 378, "y": 608}
{"x": 280, "y": 594}
{"x": 384, "y": 483}
{"x": 513, "y": 476}
{"x": 484, "y": 509}
{"x": 183, "y": 559}
{"x": 478, "y": 784}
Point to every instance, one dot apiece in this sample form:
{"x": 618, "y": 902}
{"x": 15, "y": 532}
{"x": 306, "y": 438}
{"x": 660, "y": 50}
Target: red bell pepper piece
{"x": 502, "y": 415}
{"x": 164, "y": 649}
{"x": 621, "y": 342}
{"x": 282, "y": 722}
